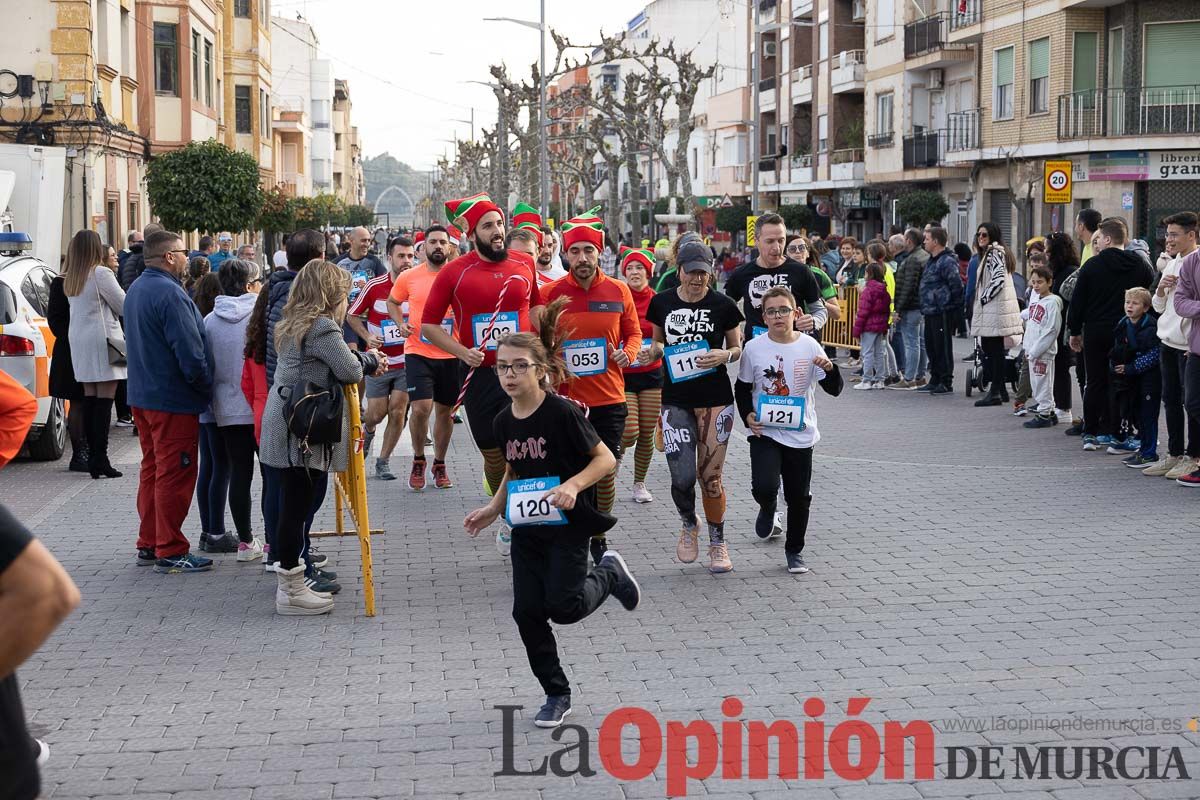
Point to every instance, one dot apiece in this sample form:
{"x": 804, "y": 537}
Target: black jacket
{"x": 908, "y": 280}
{"x": 279, "y": 286}
{"x": 132, "y": 267}
{"x": 1098, "y": 302}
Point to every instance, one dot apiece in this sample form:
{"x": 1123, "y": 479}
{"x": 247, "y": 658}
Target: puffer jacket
{"x": 873, "y": 307}
{"x": 133, "y": 266}
{"x": 941, "y": 287}
{"x": 995, "y": 310}
{"x": 279, "y": 287}
{"x": 908, "y": 280}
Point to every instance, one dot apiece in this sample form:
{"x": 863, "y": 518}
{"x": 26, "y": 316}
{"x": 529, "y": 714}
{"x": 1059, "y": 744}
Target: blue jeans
{"x": 896, "y": 342}
{"x": 874, "y": 356}
{"x": 912, "y": 329}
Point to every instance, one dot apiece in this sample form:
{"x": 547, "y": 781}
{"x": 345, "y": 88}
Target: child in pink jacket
{"x": 871, "y": 324}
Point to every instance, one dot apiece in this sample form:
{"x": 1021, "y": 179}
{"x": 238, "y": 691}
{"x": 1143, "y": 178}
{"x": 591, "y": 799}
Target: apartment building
{"x": 348, "y": 182}
{"x": 302, "y": 103}
{"x": 246, "y": 39}
{"x": 83, "y": 59}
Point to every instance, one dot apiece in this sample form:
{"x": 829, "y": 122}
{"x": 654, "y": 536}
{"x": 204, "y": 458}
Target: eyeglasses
{"x": 981, "y": 235}
{"x": 797, "y": 248}
{"x": 516, "y": 368}
{"x": 184, "y": 251}
{"x": 782, "y": 311}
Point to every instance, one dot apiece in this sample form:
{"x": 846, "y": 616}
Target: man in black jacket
{"x": 134, "y": 265}
{"x": 1097, "y": 305}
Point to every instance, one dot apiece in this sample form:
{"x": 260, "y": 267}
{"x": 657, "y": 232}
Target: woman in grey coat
{"x": 96, "y": 300}
{"x": 310, "y": 348}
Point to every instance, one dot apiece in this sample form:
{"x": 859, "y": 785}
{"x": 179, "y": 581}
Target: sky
{"x": 408, "y": 62}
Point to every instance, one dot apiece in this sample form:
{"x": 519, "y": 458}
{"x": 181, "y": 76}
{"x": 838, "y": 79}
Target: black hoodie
{"x": 1099, "y": 298}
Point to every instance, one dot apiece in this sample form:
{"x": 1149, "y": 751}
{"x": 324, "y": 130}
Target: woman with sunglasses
{"x": 987, "y": 234}
{"x": 799, "y": 250}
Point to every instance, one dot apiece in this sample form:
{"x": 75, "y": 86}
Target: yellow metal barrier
{"x": 350, "y": 495}
{"x": 840, "y": 333}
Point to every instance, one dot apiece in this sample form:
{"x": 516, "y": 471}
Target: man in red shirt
{"x": 492, "y": 293}
{"x": 605, "y": 338}
{"x": 387, "y": 394}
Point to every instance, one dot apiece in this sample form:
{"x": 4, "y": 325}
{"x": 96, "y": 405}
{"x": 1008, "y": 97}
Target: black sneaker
{"x": 186, "y": 563}
{"x": 146, "y": 557}
{"x": 940, "y": 390}
{"x": 1041, "y": 422}
{"x": 795, "y": 563}
{"x": 553, "y": 712}
{"x": 927, "y": 388}
{"x": 225, "y": 543}
{"x": 314, "y": 580}
{"x": 627, "y": 590}
{"x": 598, "y": 546}
{"x": 765, "y": 523}
{"x": 203, "y": 548}
{"x": 316, "y": 558}
{"x": 1074, "y": 430}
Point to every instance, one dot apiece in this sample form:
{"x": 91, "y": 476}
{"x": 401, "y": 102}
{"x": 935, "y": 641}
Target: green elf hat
{"x": 526, "y": 216}
{"x": 632, "y": 255}
{"x": 470, "y": 209}
{"x": 587, "y": 227}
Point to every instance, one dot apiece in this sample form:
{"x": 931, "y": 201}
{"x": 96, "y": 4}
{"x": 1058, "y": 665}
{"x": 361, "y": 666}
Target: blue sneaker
{"x": 1089, "y": 442}
{"x": 1104, "y": 440}
{"x": 1127, "y": 446}
{"x": 553, "y": 711}
{"x": 185, "y": 563}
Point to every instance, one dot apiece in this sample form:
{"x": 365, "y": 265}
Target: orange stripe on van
{"x": 42, "y": 369}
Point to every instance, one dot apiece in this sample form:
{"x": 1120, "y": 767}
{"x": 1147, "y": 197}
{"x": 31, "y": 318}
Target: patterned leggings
{"x": 644, "y": 408}
{"x": 695, "y": 440}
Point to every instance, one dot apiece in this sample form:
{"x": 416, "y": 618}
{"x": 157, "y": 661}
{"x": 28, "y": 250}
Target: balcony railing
{"x": 925, "y": 35}
{"x": 962, "y": 130}
{"x": 802, "y": 9}
{"x": 971, "y": 14}
{"x": 1130, "y": 111}
{"x": 924, "y": 149}
{"x": 880, "y": 141}
{"x": 802, "y": 161}
{"x": 847, "y": 156}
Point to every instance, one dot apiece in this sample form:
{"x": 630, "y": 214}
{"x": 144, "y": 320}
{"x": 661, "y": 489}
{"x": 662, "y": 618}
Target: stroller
{"x": 978, "y": 377}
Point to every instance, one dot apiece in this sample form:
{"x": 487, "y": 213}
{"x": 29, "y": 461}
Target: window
{"x": 264, "y": 114}
{"x": 823, "y": 41}
{"x": 126, "y": 61}
{"x": 133, "y": 214}
{"x": 695, "y": 165}
{"x": 885, "y": 19}
{"x": 337, "y": 141}
{"x": 1039, "y": 76}
{"x": 1171, "y": 57}
{"x": 241, "y": 109}
{"x": 1116, "y": 58}
{"x": 772, "y": 141}
{"x": 822, "y": 133}
{"x": 1002, "y": 83}
{"x": 1084, "y": 61}
{"x": 264, "y": 13}
{"x": 208, "y": 73}
{"x": 241, "y": 8}
{"x": 196, "y": 73}
{"x": 166, "y": 58}
{"x": 110, "y": 220}
{"x": 883, "y": 113}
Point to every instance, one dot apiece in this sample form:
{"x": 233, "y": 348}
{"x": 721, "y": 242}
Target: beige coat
{"x": 996, "y": 312}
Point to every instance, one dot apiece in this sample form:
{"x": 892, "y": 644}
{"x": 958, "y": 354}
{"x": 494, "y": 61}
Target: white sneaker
{"x": 641, "y": 494}
{"x": 504, "y": 539}
{"x": 1064, "y": 417}
{"x": 250, "y": 551}
{"x": 864, "y": 386}
{"x": 777, "y": 526}
{"x": 43, "y": 753}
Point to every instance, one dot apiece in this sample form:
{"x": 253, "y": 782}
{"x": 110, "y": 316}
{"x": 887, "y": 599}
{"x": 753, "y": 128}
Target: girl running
{"x": 697, "y": 329}
{"x": 643, "y": 378}
{"x": 554, "y": 458}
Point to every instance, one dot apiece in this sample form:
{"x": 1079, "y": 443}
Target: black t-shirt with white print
{"x": 553, "y": 441}
{"x": 707, "y": 321}
{"x": 750, "y": 282}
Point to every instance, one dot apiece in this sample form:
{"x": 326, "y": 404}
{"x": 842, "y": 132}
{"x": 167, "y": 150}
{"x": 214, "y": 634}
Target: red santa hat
{"x": 587, "y": 227}
{"x": 418, "y": 237}
{"x": 454, "y": 234}
{"x": 526, "y": 216}
{"x": 471, "y": 209}
{"x": 631, "y": 255}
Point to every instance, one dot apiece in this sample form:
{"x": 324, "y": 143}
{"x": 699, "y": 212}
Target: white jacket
{"x": 1041, "y": 331}
{"x": 1172, "y": 328}
{"x": 996, "y": 311}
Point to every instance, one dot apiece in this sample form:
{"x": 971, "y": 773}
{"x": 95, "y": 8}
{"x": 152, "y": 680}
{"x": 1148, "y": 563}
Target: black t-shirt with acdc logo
{"x": 750, "y": 282}
{"x": 553, "y": 441}
{"x": 683, "y": 322}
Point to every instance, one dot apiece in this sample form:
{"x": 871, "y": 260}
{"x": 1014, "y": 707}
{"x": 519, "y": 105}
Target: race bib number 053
{"x": 681, "y": 361}
{"x": 786, "y": 413}
{"x": 506, "y": 323}
{"x": 586, "y": 356}
{"x": 527, "y": 504}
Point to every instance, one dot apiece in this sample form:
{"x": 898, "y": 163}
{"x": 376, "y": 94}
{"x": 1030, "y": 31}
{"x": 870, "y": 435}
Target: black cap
{"x": 695, "y": 256}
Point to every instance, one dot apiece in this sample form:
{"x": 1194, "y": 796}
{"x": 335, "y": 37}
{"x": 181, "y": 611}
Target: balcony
{"x": 802, "y": 168}
{"x": 802, "y": 9}
{"x": 926, "y": 39}
{"x": 923, "y": 150}
{"x": 962, "y": 130}
{"x": 1130, "y": 111}
{"x": 881, "y": 141}
{"x": 848, "y": 71}
{"x": 802, "y": 84}
{"x": 965, "y": 23}
{"x": 847, "y": 165}
{"x": 767, "y": 84}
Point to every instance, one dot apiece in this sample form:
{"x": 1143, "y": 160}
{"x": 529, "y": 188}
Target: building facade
{"x": 348, "y": 181}
{"x": 303, "y": 102}
{"x": 248, "y": 116}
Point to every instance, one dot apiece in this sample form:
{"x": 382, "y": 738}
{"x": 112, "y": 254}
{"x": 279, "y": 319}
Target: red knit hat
{"x": 454, "y": 234}
{"x": 587, "y": 227}
{"x": 471, "y": 209}
{"x": 632, "y": 255}
{"x": 418, "y": 237}
{"x": 526, "y": 216}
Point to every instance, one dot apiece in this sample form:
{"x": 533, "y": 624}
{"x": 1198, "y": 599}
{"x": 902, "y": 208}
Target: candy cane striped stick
{"x": 487, "y": 334}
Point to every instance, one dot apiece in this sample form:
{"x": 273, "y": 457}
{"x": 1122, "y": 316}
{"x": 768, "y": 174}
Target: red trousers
{"x": 168, "y": 479}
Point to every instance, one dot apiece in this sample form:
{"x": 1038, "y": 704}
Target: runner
{"x": 492, "y": 294}
{"x": 554, "y": 459}
{"x": 699, "y": 328}
{"x": 387, "y": 394}
{"x": 773, "y": 267}
{"x": 433, "y": 378}
{"x": 363, "y": 267}
{"x": 602, "y": 322}
{"x": 643, "y": 378}
{"x": 775, "y": 398}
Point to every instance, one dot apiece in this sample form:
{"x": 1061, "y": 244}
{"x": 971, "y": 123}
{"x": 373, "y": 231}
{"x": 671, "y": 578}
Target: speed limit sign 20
{"x": 1057, "y": 184}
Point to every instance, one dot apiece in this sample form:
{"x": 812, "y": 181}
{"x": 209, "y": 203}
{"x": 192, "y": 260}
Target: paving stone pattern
{"x": 963, "y": 567}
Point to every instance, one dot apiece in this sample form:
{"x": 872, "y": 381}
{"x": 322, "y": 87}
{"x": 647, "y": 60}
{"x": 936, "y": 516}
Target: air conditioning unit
{"x": 859, "y": 13}
{"x": 770, "y": 49}
{"x": 937, "y": 78}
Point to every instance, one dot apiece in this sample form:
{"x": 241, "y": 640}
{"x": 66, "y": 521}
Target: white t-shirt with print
{"x": 785, "y": 369}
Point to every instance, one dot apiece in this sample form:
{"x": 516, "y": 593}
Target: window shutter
{"x": 1039, "y": 59}
{"x": 1004, "y": 67}
{"x": 1172, "y": 58}
{"x": 1083, "y": 69}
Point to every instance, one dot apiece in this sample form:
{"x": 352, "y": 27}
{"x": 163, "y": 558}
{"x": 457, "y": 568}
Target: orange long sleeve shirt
{"x": 603, "y": 311}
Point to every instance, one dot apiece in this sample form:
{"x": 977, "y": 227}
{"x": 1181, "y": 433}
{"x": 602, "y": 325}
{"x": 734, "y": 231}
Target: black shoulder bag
{"x": 313, "y": 411}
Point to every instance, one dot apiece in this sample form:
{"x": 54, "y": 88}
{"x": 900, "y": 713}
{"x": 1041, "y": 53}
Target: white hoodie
{"x": 226, "y": 327}
{"x": 1041, "y": 331}
{"x": 1172, "y": 328}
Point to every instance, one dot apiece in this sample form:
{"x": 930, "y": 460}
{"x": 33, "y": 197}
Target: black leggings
{"x": 1062, "y": 378}
{"x": 301, "y": 492}
{"x": 770, "y": 460}
{"x": 239, "y": 454}
{"x": 993, "y": 351}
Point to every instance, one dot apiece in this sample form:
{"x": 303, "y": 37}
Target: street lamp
{"x": 544, "y": 156}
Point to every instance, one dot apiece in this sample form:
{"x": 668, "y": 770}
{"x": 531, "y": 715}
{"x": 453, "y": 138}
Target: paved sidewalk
{"x": 963, "y": 567}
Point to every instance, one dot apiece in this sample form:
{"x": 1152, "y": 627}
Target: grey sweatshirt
{"x": 226, "y": 327}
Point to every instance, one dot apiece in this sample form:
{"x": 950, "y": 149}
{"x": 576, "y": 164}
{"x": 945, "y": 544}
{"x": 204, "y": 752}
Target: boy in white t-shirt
{"x": 1041, "y": 345}
{"x": 774, "y": 394}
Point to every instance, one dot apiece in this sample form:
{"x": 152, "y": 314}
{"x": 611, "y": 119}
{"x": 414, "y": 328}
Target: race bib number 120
{"x": 527, "y": 504}
{"x": 786, "y": 413}
{"x": 506, "y": 323}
